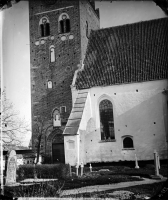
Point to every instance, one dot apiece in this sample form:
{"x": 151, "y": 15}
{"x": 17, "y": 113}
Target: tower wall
{"x": 87, "y": 14}
{"x": 69, "y": 48}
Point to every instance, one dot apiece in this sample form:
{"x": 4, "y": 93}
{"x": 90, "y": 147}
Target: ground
{"x": 100, "y": 175}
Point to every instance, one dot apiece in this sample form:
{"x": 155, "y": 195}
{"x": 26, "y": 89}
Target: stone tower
{"x": 59, "y": 32}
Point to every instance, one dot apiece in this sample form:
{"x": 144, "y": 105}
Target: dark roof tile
{"x": 124, "y": 54}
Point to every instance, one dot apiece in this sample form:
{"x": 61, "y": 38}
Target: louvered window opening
{"x": 45, "y": 29}
{"x": 64, "y": 25}
{"x": 106, "y": 120}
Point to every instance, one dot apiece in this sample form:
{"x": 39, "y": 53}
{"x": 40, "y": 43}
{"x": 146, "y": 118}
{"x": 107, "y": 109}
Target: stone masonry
{"x": 69, "y": 51}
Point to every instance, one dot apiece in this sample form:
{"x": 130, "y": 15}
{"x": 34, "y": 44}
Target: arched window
{"x": 44, "y": 27}
{"x": 56, "y": 118}
{"x": 52, "y": 54}
{"x": 49, "y": 84}
{"x": 106, "y": 120}
{"x": 64, "y": 23}
{"x": 128, "y": 142}
{"x": 87, "y": 30}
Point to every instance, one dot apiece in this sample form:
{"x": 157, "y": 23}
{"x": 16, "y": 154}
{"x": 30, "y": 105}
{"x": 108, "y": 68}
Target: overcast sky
{"x": 16, "y": 52}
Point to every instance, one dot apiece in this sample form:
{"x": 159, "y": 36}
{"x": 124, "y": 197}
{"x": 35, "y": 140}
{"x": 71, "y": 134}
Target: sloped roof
{"x": 75, "y": 117}
{"x": 124, "y": 54}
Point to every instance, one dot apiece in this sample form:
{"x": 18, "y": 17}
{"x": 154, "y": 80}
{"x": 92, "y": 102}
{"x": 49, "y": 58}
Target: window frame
{"x": 49, "y": 81}
{"x": 64, "y": 24}
{"x": 61, "y": 109}
{"x": 127, "y": 148}
{"x": 109, "y": 139}
{"x": 52, "y": 47}
{"x": 45, "y": 29}
{"x": 53, "y": 116}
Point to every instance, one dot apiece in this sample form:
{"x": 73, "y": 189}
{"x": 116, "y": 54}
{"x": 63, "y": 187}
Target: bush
{"x": 58, "y": 171}
{"x": 47, "y": 159}
{"x": 46, "y": 189}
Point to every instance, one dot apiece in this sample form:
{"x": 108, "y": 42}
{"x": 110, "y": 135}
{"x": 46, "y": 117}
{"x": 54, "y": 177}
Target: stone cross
{"x": 11, "y": 168}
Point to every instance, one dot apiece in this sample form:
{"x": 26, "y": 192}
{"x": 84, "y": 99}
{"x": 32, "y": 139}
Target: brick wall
{"x": 89, "y": 15}
{"x": 67, "y": 54}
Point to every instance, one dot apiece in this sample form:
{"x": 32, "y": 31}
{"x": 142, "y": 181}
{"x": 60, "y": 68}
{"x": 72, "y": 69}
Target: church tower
{"x": 59, "y": 33}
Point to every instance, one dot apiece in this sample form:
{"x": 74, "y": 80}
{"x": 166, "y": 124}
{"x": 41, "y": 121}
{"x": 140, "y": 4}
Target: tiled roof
{"x": 76, "y": 114}
{"x": 124, "y": 54}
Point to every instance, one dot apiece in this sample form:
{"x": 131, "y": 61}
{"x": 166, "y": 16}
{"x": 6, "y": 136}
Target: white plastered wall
{"x": 140, "y": 110}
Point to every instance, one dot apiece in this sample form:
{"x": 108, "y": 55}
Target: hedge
{"x": 58, "y": 171}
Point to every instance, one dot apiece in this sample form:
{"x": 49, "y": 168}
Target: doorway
{"x": 58, "y": 153}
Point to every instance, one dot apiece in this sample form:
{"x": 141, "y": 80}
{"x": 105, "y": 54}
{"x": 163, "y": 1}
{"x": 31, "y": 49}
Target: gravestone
{"x": 11, "y": 168}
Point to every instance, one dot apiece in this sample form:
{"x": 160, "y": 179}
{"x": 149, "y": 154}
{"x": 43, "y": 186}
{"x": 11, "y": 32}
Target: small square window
{"x": 63, "y": 109}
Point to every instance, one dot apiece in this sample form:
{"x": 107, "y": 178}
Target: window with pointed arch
{"x": 44, "y": 27}
{"x": 106, "y": 120}
{"x": 87, "y": 30}
{"x": 56, "y": 118}
{"x": 64, "y": 23}
{"x": 52, "y": 54}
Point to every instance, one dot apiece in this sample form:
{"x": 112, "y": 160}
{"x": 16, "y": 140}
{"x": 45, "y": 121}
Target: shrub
{"x": 47, "y": 159}
{"x": 58, "y": 171}
{"x": 46, "y": 189}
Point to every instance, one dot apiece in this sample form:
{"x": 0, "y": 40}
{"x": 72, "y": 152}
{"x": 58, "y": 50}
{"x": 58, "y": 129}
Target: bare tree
{"x": 14, "y": 129}
{"x": 4, "y": 4}
{"x": 42, "y": 126}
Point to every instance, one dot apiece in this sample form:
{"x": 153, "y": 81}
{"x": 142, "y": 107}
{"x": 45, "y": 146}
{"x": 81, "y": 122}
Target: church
{"x": 97, "y": 95}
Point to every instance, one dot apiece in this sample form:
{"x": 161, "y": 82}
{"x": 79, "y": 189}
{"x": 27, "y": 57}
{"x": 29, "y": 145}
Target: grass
{"x": 139, "y": 192}
{"x": 116, "y": 174}
{"x": 99, "y": 179}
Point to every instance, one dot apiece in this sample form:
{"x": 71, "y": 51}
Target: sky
{"x": 16, "y": 50}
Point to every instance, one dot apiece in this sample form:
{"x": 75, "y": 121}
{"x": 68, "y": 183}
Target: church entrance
{"x": 55, "y": 146}
{"x": 58, "y": 153}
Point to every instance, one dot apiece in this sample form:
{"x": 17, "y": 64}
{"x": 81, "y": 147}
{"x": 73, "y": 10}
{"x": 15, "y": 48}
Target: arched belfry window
{"x": 56, "y": 118}
{"x": 44, "y": 27}
{"x": 106, "y": 120}
{"x": 52, "y": 53}
{"x": 128, "y": 142}
{"x": 64, "y": 23}
{"x": 87, "y": 30}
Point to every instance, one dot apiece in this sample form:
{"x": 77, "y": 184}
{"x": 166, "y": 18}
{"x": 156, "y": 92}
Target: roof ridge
{"x": 127, "y": 53}
{"x": 129, "y": 24}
